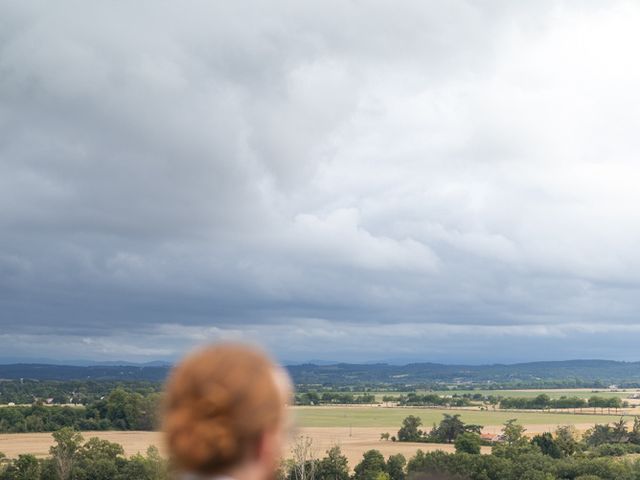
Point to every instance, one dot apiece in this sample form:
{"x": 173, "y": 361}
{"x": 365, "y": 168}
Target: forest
{"x": 119, "y": 410}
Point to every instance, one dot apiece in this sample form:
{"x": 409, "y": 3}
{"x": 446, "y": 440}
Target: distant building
{"x": 492, "y": 437}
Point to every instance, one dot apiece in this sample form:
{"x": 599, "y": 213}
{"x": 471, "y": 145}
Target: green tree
{"x": 410, "y": 429}
{"x": 147, "y": 467}
{"x": 547, "y": 445}
{"x": 634, "y": 434}
{"x": 598, "y": 435}
{"x": 468, "y": 442}
{"x": 395, "y": 467}
{"x": 370, "y": 467}
{"x": 450, "y": 427}
{"x": 95, "y": 449}
{"x": 566, "y": 439}
{"x": 124, "y": 409}
{"x": 67, "y": 442}
{"x": 513, "y": 432}
{"x": 334, "y": 466}
{"x": 619, "y": 432}
{"x": 156, "y": 466}
{"x": 26, "y": 467}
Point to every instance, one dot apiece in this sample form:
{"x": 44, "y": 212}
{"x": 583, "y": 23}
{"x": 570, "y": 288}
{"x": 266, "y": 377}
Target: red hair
{"x": 219, "y": 401}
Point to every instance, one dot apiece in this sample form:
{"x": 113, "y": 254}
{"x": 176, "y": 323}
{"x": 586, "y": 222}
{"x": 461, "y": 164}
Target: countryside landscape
{"x": 346, "y": 416}
{"x": 319, "y": 240}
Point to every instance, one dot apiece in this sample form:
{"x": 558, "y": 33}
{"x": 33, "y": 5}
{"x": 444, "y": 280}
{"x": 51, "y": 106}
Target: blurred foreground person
{"x": 225, "y": 414}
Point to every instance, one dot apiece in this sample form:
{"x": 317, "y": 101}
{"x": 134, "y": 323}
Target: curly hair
{"x": 218, "y": 402}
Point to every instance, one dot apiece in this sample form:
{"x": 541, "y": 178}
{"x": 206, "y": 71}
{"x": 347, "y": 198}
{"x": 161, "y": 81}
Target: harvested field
{"x": 353, "y": 442}
{"x": 356, "y": 429}
{"x": 13, "y": 444}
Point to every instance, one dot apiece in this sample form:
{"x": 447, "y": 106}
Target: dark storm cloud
{"x": 320, "y": 177}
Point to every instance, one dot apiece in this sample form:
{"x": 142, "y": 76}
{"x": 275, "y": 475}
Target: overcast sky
{"x": 340, "y": 180}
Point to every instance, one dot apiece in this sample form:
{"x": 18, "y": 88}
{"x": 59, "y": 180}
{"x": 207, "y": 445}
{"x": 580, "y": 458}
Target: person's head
{"x": 225, "y": 414}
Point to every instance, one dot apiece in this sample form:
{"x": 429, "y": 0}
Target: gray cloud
{"x": 319, "y": 177}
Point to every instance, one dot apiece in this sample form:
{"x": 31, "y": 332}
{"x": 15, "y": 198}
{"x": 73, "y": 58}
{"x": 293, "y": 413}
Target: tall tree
{"x": 450, "y": 427}
{"x": 395, "y": 467}
{"x": 410, "y": 429}
{"x": 26, "y": 467}
{"x": 334, "y": 466}
{"x": 566, "y": 439}
{"x": 67, "y": 442}
{"x": 513, "y": 432}
{"x": 371, "y": 466}
{"x": 547, "y": 445}
{"x": 303, "y": 459}
{"x": 468, "y": 442}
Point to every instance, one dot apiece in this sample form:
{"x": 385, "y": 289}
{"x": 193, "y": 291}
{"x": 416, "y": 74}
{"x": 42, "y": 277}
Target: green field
{"x": 580, "y": 393}
{"x": 553, "y": 393}
{"x": 392, "y": 417}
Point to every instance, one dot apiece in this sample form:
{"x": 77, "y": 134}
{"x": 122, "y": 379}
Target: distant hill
{"x": 592, "y": 372}
{"x": 36, "y": 371}
{"x": 570, "y": 372}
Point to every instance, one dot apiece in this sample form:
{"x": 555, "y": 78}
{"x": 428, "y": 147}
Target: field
{"x": 553, "y": 393}
{"x": 356, "y": 429}
{"x": 391, "y": 418}
{"x": 353, "y": 442}
{"x": 13, "y": 444}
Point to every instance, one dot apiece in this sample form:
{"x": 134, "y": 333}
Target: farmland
{"x": 356, "y": 429}
{"x": 371, "y": 416}
{"x": 352, "y": 442}
{"x": 551, "y": 392}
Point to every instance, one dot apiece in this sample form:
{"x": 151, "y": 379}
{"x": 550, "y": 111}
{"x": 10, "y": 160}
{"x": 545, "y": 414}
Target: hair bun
{"x": 219, "y": 401}
{"x": 201, "y": 443}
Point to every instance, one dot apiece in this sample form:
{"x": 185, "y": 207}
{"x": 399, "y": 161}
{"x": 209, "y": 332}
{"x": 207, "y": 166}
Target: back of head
{"x": 220, "y": 401}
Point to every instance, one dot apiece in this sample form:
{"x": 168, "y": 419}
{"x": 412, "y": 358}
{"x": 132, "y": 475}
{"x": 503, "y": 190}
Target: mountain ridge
{"x": 577, "y": 370}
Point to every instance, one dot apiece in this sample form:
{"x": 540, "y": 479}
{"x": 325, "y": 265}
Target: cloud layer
{"x": 335, "y": 180}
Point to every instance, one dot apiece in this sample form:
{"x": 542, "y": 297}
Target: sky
{"x": 333, "y": 180}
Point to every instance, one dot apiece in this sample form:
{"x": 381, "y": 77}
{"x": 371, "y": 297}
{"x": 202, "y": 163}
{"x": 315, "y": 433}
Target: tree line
{"x": 447, "y": 431}
{"x": 428, "y": 399}
{"x": 79, "y": 392}
{"x": 540, "y": 402}
{"x": 451, "y": 427}
{"x": 544, "y": 402}
{"x": 120, "y": 410}
{"x": 327, "y": 398}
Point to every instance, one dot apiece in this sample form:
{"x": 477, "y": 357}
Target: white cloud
{"x": 417, "y": 169}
